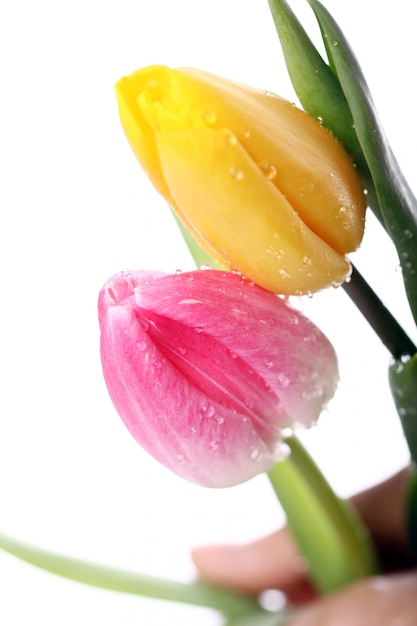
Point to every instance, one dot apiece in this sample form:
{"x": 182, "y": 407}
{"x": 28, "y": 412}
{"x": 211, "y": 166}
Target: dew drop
{"x": 281, "y": 451}
{"x": 319, "y": 119}
{"x": 306, "y": 260}
{"x": 207, "y": 410}
{"x": 270, "y": 171}
{"x": 268, "y": 363}
{"x": 335, "y": 43}
{"x": 182, "y": 350}
{"x": 283, "y": 380}
{"x": 235, "y": 173}
{"x": 230, "y": 139}
{"x": 205, "y": 266}
{"x": 141, "y": 345}
{"x": 193, "y": 429}
{"x": 214, "y": 445}
{"x": 210, "y": 117}
{"x": 219, "y": 419}
{"x": 256, "y": 455}
{"x": 198, "y": 330}
{"x": 408, "y": 234}
{"x": 246, "y": 134}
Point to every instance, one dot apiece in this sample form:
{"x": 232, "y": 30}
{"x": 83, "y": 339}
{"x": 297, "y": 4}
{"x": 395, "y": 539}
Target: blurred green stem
{"x": 331, "y": 538}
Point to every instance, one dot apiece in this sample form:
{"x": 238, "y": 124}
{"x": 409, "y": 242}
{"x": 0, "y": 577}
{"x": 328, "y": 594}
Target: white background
{"x": 76, "y": 208}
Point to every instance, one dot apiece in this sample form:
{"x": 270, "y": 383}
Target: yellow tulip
{"x": 262, "y": 186}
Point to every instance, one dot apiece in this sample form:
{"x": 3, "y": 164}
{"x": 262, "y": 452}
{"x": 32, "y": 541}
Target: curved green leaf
{"x": 403, "y": 382}
{"x": 397, "y": 202}
{"x": 198, "y": 594}
{"x": 315, "y": 84}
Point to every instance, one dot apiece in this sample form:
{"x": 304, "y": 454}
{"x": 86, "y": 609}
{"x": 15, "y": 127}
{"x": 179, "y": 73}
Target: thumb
{"x": 272, "y": 562}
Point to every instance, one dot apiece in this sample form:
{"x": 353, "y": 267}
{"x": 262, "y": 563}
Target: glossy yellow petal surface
{"x": 262, "y": 186}
{"x": 280, "y": 251}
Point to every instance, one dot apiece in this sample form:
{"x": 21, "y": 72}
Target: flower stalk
{"x": 331, "y": 538}
{"x": 392, "y": 335}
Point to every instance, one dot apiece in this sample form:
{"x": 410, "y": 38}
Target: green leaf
{"x": 314, "y": 82}
{"x": 331, "y": 538}
{"x": 198, "y": 594}
{"x": 397, "y": 202}
{"x": 403, "y": 382}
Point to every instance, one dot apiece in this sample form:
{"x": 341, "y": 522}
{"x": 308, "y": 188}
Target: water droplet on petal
{"x": 235, "y": 173}
{"x": 270, "y": 171}
{"x": 256, "y": 455}
{"x": 214, "y": 445}
{"x": 283, "y": 380}
{"x": 207, "y": 410}
{"x": 268, "y": 363}
{"x": 306, "y": 260}
{"x": 230, "y": 139}
{"x": 282, "y": 451}
{"x": 210, "y": 117}
{"x": 141, "y": 345}
{"x": 198, "y": 330}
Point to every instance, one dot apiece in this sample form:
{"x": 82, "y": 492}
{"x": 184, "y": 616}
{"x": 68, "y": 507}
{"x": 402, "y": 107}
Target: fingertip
{"x": 272, "y": 562}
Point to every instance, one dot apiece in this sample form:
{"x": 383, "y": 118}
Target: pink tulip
{"x": 206, "y": 369}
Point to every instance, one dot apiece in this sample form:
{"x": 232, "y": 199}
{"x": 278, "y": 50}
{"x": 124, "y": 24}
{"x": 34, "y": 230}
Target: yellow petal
{"x": 310, "y": 166}
{"x": 235, "y": 209}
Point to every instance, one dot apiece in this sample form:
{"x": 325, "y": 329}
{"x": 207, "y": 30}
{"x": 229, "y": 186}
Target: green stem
{"x": 382, "y": 321}
{"x": 334, "y": 543}
{"x": 198, "y": 594}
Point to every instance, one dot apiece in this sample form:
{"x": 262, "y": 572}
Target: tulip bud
{"x": 260, "y": 184}
{"x": 206, "y": 369}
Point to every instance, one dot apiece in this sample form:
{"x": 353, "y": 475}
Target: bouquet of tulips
{"x": 214, "y": 371}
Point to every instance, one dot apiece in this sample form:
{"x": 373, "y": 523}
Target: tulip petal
{"x": 203, "y": 399}
{"x": 301, "y": 159}
{"x": 256, "y": 326}
{"x": 280, "y": 253}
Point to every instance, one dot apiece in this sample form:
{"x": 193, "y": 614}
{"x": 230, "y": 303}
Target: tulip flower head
{"x": 262, "y": 187}
{"x": 206, "y": 369}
